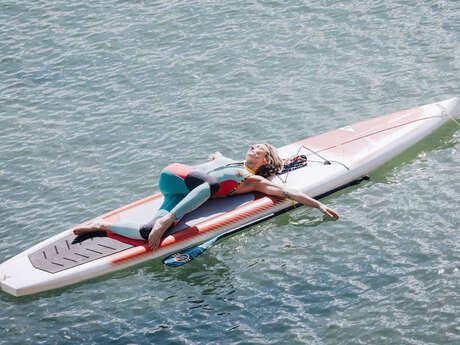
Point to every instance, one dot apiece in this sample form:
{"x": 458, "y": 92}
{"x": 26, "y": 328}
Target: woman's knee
{"x": 197, "y": 178}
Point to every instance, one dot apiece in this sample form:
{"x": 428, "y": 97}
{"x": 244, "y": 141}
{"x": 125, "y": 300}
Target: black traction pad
{"x": 72, "y": 250}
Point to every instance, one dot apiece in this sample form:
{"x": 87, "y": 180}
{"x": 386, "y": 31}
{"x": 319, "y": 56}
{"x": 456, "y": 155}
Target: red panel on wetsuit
{"x": 226, "y": 187}
{"x": 180, "y": 170}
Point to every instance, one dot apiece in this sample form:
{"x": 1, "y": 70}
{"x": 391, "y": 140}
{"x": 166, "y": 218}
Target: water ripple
{"x": 95, "y": 98}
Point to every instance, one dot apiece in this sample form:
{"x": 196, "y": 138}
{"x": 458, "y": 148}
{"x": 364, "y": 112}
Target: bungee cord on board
{"x": 298, "y": 161}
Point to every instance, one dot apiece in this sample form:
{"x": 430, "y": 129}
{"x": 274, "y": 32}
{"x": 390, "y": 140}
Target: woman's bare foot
{"x": 160, "y": 227}
{"x": 98, "y": 225}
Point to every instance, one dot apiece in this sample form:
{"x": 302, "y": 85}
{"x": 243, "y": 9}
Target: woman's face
{"x": 257, "y": 154}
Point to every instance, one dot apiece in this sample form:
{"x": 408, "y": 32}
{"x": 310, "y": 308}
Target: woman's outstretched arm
{"x": 260, "y": 184}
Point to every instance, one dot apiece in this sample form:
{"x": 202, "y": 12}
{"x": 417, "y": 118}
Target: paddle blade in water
{"x": 187, "y": 255}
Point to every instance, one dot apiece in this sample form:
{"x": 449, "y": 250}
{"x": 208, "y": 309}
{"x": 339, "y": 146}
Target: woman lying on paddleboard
{"x": 185, "y": 188}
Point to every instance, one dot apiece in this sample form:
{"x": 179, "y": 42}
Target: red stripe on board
{"x": 132, "y": 253}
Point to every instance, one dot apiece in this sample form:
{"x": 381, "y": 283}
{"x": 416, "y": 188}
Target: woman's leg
{"x": 171, "y": 183}
{"x": 183, "y": 192}
{"x": 132, "y": 230}
{"x": 170, "y": 200}
{"x": 178, "y": 205}
{"x": 125, "y": 229}
{"x": 190, "y": 202}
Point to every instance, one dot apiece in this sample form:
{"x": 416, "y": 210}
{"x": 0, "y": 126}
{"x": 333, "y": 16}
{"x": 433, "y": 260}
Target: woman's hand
{"x": 328, "y": 211}
{"x": 215, "y": 155}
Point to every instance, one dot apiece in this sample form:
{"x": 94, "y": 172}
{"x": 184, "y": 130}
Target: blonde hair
{"x": 274, "y": 165}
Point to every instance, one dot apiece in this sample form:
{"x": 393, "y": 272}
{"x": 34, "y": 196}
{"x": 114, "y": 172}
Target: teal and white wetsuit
{"x": 185, "y": 188}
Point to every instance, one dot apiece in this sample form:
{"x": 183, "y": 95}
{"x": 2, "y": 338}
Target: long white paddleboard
{"x": 335, "y": 158}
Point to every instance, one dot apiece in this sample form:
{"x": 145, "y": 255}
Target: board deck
{"x": 71, "y": 251}
{"x": 337, "y": 158}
